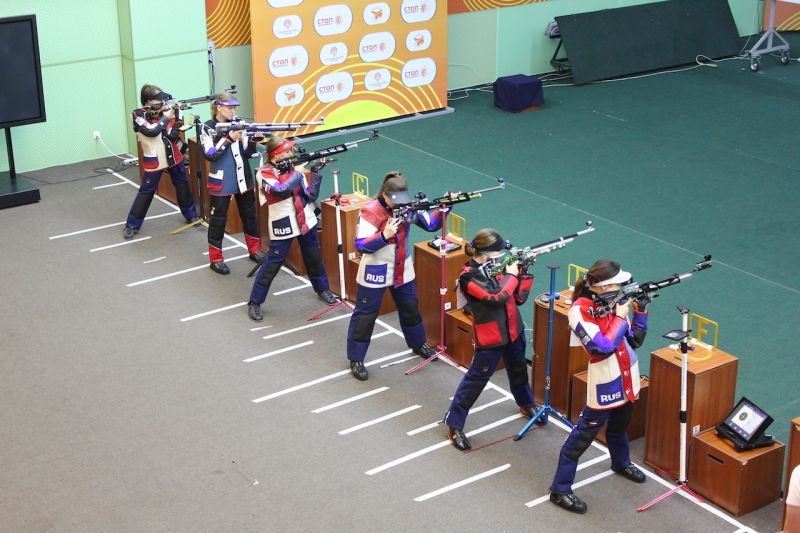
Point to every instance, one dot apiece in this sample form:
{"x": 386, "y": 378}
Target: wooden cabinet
{"x": 739, "y": 482}
{"x": 794, "y": 458}
{"x": 350, "y": 206}
{"x": 428, "y": 269}
{"x": 458, "y": 337}
{"x": 636, "y": 427}
{"x": 711, "y": 384}
{"x": 565, "y": 361}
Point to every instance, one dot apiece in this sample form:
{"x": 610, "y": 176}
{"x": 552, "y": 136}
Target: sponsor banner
{"x": 349, "y": 61}
{"x": 465, "y": 6}
{"x": 787, "y": 15}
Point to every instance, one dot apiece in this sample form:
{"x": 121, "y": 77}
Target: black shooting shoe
{"x": 220, "y": 268}
{"x": 568, "y": 501}
{"x": 458, "y": 439}
{"x": 129, "y": 232}
{"x": 527, "y": 411}
{"x": 258, "y": 257}
{"x": 632, "y": 473}
{"x": 359, "y": 371}
{"x": 426, "y": 351}
{"x": 254, "y": 311}
{"x": 328, "y": 297}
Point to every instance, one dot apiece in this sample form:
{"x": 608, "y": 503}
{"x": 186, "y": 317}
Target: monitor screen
{"x": 747, "y": 420}
{"x": 22, "y": 96}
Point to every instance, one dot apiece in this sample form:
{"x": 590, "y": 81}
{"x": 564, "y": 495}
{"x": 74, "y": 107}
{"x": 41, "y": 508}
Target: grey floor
{"x": 121, "y": 409}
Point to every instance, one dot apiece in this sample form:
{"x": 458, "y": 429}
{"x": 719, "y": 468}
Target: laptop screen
{"x": 747, "y": 420}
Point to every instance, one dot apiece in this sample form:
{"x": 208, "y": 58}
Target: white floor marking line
{"x": 474, "y": 410}
{"x": 276, "y": 352}
{"x": 577, "y": 485}
{"x": 381, "y": 334}
{"x": 213, "y": 311}
{"x": 461, "y": 483}
{"x": 96, "y": 228}
{"x": 442, "y": 444}
{"x": 297, "y": 288}
{"x": 379, "y": 420}
{"x": 312, "y": 325}
{"x": 117, "y": 184}
{"x": 224, "y": 248}
{"x": 179, "y": 272}
{"x": 349, "y": 400}
{"x": 596, "y": 217}
{"x": 156, "y": 197}
{"x": 154, "y": 260}
{"x": 123, "y": 243}
{"x": 590, "y": 462}
{"x": 259, "y": 328}
{"x": 400, "y": 361}
{"x": 325, "y": 378}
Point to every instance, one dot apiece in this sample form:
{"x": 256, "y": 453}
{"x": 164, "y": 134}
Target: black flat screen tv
{"x": 21, "y": 91}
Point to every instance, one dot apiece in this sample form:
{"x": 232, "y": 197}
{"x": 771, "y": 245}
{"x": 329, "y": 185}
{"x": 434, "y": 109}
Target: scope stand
{"x": 765, "y": 44}
{"x": 681, "y": 335}
{"x": 542, "y": 414}
{"x": 337, "y": 197}
{"x": 441, "y": 348}
{"x": 201, "y": 219}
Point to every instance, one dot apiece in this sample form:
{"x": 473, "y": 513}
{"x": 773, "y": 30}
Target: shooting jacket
{"x": 230, "y": 169}
{"x": 613, "y": 366}
{"x": 291, "y": 211}
{"x": 494, "y": 301}
{"x": 387, "y": 263}
{"x": 160, "y": 140}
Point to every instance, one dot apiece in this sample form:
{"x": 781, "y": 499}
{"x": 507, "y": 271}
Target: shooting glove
{"x": 641, "y": 303}
{"x": 319, "y": 165}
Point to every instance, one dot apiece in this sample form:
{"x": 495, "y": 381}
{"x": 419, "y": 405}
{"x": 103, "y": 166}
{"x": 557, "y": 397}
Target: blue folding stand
{"x": 542, "y": 414}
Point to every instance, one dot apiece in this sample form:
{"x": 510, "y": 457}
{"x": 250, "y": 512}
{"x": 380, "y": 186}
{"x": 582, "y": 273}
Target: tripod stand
{"x": 199, "y": 172}
{"x": 680, "y": 335}
{"x": 544, "y": 411}
{"x": 441, "y": 348}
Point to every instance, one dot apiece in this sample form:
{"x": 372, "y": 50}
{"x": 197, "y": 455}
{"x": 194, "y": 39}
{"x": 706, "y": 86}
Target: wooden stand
{"x": 739, "y": 482}
{"x": 428, "y": 269}
{"x": 458, "y": 333}
{"x": 711, "y": 384}
{"x": 638, "y": 422}
{"x": 793, "y": 460}
{"x": 566, "y": 361}
{"x": 350, "y": 206}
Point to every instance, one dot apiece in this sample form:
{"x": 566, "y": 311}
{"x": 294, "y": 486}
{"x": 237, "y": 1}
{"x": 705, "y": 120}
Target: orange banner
{"x": 465, "y": 6}
{"x": 787, "y": 15}
{"x": 352, "y": 62}
{"x": 228, "y": 22}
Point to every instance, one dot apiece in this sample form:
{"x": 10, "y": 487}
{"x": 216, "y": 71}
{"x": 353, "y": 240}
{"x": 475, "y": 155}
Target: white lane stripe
{"x": 590, "y": 462}
{"x": 259, "y": 328}
{"x": 109, "y": 185}
{"x": 393, "y": 363}
{"x": 325, "y": 378}
{"x": 224, "y": 248}
{"x": 213, "y": 311}
{"x": 461, "y": 483}
{"x": 278, "y": 293}
{"x": 157, "y": 197}
{"x": 154, "y": 260}
{"x": 179, "y": 272}
{"x": 601, "y": 475}
{"x": 349, "y": 400}
{"x": 300, "y": 328}
{"x": 475, "y": 410}
{"x": 442, "y": 444}
{"x": 295, "y": 276}
{"x": 276, "y": 352}
{"x": 87, "y": 230}
{"x": 140, "y": 239}
{"x": 381, "y": 334}
{"x": 379, "y": 420}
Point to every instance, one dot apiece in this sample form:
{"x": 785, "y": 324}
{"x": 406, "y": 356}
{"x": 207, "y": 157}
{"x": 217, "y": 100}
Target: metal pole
{"x": 10, "y": 149}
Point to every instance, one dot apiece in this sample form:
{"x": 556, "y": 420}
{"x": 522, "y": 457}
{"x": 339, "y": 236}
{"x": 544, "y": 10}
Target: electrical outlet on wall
{"x": 96, "y": 135}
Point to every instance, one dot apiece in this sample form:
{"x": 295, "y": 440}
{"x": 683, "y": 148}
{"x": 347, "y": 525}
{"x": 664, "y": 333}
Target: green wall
{"x": 96, "y": 54}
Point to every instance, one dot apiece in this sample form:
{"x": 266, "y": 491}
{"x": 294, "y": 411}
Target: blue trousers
{"x": 148, "y": 189}
{"x": 484, "y": 363}
{"x": 368, "y": 303}
{"x": 581, "y": 437}
{"x": 276, "y": 255}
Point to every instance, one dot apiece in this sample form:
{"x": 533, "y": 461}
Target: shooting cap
{"x": 276, "y": 145}
{"x": 161, "y": 95}
{"x": 395, "y": 187}
{"x": 620, "y": 278}
{"x": 231, "y": 102}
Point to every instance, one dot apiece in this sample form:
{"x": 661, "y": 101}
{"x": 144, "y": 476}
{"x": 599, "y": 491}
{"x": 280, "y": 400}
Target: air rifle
{"x": 302, "y": 157}
{"x": 421, "y": 203}
{"x": 223, "y": 128}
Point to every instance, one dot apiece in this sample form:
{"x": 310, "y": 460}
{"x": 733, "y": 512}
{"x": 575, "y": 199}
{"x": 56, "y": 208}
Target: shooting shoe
{"x": 527, "y": 411}
{"x": 220, "y": 268}
{"x": 458, "y": 439}
{"x": 129, "y": 232}
{"x": 254, "y": 311}
{"x": 358, "y": 370}
{"x": 426, "y": 351}
{"x": 568, "y": 501}
{"x": 328, "y": 297}
{"x": 632, "y": 473}
{"x": 258, "y": 256}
